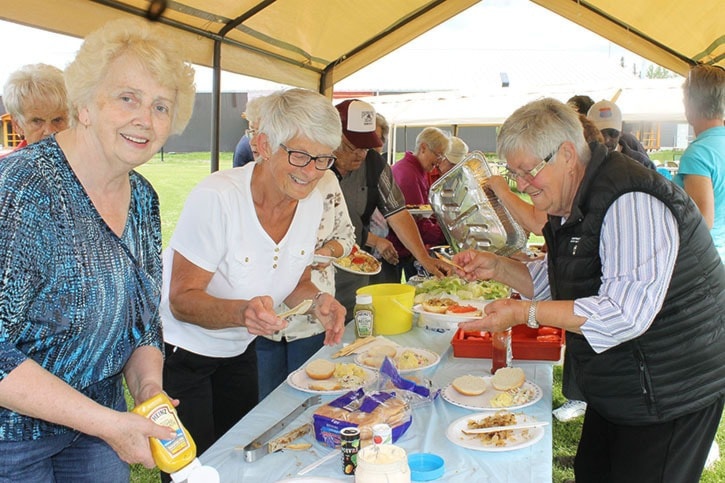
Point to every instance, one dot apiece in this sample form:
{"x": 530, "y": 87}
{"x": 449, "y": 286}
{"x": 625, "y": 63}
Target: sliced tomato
{"x": 358, "y": 260}
{"x": 461, "y": 309}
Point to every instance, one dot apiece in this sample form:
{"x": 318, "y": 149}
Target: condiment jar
{"x": 501, "y": 353}
{"x": 175, "y": 456}
{"x": 384, "y": 462}
{"x": 364, "y": 315}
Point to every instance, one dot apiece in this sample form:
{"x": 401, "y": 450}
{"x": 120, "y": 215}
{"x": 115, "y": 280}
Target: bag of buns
{"x": 362, "y": 410}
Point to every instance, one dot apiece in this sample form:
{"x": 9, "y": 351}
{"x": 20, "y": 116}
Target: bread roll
{"x": 320, "y": 369}
{"x": 331, "y": 385}
{"x": 437, "y": 306}
{"x": 469, "y": 385}
{"x": 507, "y": 378}
{"x": 382, "y": 350}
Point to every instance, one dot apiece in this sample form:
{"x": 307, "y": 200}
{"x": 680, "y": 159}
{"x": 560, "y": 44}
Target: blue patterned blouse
{"x": 74, "y": 297}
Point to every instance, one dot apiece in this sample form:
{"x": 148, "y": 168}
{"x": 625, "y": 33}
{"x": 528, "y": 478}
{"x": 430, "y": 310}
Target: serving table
{"x": 427, "y": 433}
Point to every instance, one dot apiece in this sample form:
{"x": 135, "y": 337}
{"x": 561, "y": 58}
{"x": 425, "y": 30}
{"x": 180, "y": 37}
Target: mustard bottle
{"x": 170, "y": 455}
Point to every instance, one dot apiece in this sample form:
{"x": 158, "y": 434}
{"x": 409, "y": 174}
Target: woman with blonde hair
{"x": 80, "y": 266}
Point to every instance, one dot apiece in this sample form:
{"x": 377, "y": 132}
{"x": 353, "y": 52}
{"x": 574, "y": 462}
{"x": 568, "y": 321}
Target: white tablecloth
{"x": 426, "y": 434}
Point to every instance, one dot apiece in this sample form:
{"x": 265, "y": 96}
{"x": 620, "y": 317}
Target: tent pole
{"x": 215, "y": 106}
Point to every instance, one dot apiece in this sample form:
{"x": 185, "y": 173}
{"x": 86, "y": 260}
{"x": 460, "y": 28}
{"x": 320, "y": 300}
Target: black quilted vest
{"x": 678, "y": 365}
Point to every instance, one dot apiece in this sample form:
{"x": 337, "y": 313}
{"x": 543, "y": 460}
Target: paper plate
{"x": 322, "y": 259}
{"x": 521, "y": 438}
{"x": 432, "y": 358}
{"x": 483, "y": 401}
{"x": 301, "y": 381}
{"x": 310, "y": 479}
{"x": 352, "y": 269}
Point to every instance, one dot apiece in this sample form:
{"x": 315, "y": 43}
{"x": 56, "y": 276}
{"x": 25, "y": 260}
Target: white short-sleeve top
{"x": 218, "y": 231}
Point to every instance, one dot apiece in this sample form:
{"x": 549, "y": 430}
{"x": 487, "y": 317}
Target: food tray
{"x": 524, "y": 343}
{"x": 470, "y": 215}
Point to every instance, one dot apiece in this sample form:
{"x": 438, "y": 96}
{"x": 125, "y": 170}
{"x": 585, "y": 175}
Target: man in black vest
{"x": 634, "y": 278}
{"x": 367, "y": 182}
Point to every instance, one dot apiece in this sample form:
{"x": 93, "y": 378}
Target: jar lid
{"x": 425, "y": 466}
{"x": 364, "y": 299}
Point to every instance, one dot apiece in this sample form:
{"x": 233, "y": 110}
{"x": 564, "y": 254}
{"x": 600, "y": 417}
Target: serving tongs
{"x": 260, "y": 446}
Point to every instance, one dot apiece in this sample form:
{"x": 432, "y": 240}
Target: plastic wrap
{"x": 363, "y": 410}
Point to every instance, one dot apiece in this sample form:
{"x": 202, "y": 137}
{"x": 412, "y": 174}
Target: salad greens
{"x": 456, "y": 286}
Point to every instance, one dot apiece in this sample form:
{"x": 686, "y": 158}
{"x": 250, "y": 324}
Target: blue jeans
{"x": 276, "y": 360}
{"x": 70, "y": 457}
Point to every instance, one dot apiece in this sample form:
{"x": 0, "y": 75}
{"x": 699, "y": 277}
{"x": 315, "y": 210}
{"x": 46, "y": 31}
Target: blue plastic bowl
{"x": 425, "y": 466}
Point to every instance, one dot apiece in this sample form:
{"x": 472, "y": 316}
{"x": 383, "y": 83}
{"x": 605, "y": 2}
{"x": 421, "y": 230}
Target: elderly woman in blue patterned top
{"x": 80, "y": 266}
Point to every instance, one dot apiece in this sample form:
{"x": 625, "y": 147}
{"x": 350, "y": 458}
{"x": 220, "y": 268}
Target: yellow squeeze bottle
{"x": 170, "y": 455}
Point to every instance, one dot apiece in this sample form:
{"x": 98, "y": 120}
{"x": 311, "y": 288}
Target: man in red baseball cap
{"x": 367, "y": 182}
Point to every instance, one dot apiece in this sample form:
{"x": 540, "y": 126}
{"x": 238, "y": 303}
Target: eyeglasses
{"x": 353, "y": 149}
{"x": 301, "y": 159}
{"x": 529, "y": 175}
{"x": 439, "y": 156}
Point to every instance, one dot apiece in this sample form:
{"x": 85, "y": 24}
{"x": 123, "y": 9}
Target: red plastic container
{"x": 544, "y": 344}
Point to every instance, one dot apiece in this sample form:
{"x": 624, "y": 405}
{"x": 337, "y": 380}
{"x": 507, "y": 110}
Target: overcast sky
{"x": 500, "y": 33}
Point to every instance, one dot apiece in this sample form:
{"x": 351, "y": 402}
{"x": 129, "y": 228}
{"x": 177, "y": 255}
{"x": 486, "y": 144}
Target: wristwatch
{"x": 531, "y": 321}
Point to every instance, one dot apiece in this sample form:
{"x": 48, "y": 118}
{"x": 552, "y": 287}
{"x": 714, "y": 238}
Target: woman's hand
{"x": 476, "y": 265}
{"x": 499, "y": 315}
{"x": 331, "y": 315}
{"x": 260, "y": 317}
{"x": 129, "y": 435}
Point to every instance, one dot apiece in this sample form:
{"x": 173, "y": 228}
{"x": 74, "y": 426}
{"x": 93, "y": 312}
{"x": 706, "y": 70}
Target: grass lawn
{"x": 176, "y": 176}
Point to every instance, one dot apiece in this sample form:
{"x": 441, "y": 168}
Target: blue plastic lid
{"x": 425, "y": 466}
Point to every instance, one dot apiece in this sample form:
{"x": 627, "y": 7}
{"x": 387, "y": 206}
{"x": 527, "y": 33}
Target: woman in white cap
{"x": 454, "y": 155}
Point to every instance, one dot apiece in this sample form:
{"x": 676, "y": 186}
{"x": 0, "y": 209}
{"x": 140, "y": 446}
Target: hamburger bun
{"x": 437, "y": 306}
{"x": 320, "y": 369}
{"x": 469, "y": 385}
{"x": 331, "y": 385}
{"x": 507, "y": 378}
{"x": 373, "y": 361}
{"x": 383, "y": 350}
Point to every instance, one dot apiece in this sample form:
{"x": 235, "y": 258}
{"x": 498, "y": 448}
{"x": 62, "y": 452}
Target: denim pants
{"x": 276, "y": 360}
{"x": 71, "y": 457}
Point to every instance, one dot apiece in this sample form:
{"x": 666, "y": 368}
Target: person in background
{"x": 36, "y": 99}
{"x": 80, "y": 265}
{"x": 243, "y": 151}
{"x": 244, "y": 244}
{"x": 702, "y": 166}
{"x": 285, "y": 351}
{"x": 367, "y": 182}
{"x": 409, "y": 173}
{"x": 382, "y": 129}
{"x": 246, "y": 150}
{"x": 608, "y": 119}
{"x": 378, "y": 226}
{"x": 582, "y": 104}
{"x": 455, "y": 154}
{"x": 627, "y": 304}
